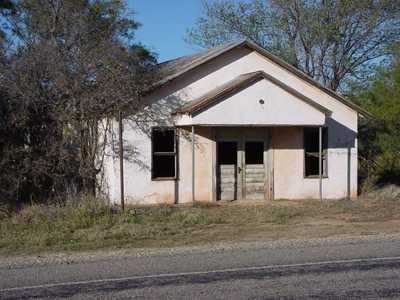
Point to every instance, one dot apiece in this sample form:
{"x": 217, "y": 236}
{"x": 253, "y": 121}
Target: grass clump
{"x": 92, "y": 223}
{"x": 44, "y": 226}
{"x": 89, "y": 223}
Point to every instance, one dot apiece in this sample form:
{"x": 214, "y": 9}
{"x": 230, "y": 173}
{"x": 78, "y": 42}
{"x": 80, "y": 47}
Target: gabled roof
{"x": 175, "y": 68}
{"x": 237, "y": 84}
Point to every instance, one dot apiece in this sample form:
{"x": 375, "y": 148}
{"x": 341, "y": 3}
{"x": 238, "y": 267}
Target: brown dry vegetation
{"x": 91, "y": 224}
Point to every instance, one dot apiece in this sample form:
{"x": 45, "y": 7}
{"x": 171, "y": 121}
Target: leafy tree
{"x": 380, "y": 138}
{"x": 72, "y": 68}
{"x": 331, "y": 41}
{"x": 5, "y": 5}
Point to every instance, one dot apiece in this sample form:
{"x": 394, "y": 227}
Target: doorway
{"x": 254, "y": 174}
{"x": 227, "y": 162}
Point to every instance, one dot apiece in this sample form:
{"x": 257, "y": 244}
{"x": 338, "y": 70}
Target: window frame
{"x": 325, "y": 154}
{"x": 174, "y": 153}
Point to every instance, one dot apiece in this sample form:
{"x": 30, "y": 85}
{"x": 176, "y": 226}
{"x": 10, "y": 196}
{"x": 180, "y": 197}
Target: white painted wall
{"x": 243, "y": 108}
{"x": 288, "y": 153}
{"x": 139, "y": 187}
{"x": 289, "y": 181}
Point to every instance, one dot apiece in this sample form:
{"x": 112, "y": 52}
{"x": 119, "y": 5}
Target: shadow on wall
{"x": 156, "y": 114}
{"x": 339, "y": 136}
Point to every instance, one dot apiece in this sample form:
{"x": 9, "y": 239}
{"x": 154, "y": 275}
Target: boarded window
{"x": 311, "y": 152}
{"x": 164, "y": 153}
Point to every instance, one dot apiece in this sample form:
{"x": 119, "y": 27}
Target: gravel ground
{"x": 66, "y": 258}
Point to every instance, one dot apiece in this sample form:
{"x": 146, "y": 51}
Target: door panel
{"x": 227, "y": 170}
{"x": 240, "y": 170}
{"x": 255, "y": 182}
{"x": 228, "y": 182}
{"x": 254, "y": 170}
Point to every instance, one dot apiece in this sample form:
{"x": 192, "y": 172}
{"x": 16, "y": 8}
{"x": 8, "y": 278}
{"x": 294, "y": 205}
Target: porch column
{"x": 320, "y": 162}
{"x": 121, "y": 160}
{"x": 193, "y": 162}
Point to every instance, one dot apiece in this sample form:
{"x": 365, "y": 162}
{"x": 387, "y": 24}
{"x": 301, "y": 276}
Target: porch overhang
{"x": 183, "y": 120}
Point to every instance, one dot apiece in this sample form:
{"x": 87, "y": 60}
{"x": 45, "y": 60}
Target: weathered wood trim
{"x": 175, "y": 154}
{"x": 325, "y": 175}
{"x": 261, "y": 139}
{"x": 271, "y": 168}
{"x": 222, "y": 138}
{"x": 266, "y": 165}
{"x": 241, "y": 166}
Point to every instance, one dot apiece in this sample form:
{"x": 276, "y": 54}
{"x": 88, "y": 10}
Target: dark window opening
{"x": 163, "y": 140}
{"x": 164, "y": 153}
{"x": 163, "y": 166}
{"x": 311, "y": 152}
{"x": 254, "y": 153}
{"x": 227, "y": 153}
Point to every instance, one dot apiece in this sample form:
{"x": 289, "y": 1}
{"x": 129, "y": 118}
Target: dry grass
{"x": 90, "y": 224}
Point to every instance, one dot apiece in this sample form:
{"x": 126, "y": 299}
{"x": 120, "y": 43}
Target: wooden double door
{"x": 241, "y": 169}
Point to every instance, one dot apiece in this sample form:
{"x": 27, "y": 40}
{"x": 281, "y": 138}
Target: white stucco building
{"x": 235, "y": 122}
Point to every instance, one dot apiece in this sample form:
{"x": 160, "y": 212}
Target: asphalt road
{"x": 348, "y": 269}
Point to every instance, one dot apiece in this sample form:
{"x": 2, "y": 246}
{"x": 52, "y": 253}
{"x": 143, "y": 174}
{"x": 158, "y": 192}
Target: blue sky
{"x": 164, "y": 24}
